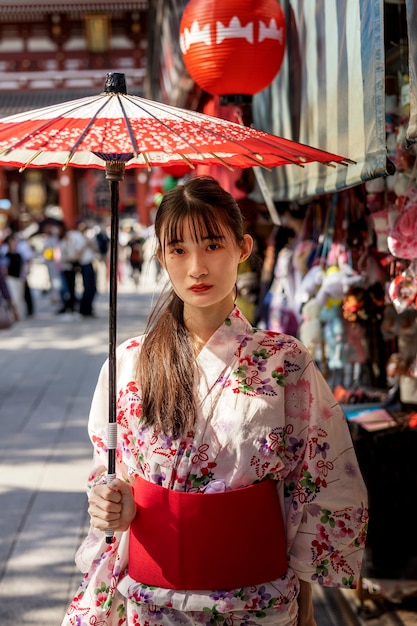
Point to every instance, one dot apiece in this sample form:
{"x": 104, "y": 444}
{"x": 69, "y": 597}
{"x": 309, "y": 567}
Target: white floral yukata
{"x": 265, "y": 412}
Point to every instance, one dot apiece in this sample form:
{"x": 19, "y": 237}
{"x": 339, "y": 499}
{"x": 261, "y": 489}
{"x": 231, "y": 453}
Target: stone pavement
{"x": 49, "y": 366}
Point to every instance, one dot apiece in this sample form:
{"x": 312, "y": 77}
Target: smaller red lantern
{"x": 233, "y": 47}
{"x": 176, "y": 171}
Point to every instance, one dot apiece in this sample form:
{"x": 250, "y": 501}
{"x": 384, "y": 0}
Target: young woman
{"x": 237, "y": 484}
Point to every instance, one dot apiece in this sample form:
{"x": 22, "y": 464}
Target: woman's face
{"x": 203, "y": 270}
{"x": 12, "y": 244}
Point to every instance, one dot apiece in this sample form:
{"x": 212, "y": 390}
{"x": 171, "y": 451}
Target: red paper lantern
{"x": 233, "y": 47}
{"x": 176, "y": 171}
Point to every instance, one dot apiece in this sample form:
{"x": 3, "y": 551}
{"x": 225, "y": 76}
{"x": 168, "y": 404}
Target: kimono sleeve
{"x": 325, "y": 495}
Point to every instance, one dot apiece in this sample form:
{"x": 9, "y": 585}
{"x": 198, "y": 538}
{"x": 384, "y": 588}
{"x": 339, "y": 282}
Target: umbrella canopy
{"x": 114, "y": 126}
{"x": 115, "y": 131}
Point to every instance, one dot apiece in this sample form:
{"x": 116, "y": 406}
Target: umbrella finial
{"x": 115, "y": 83}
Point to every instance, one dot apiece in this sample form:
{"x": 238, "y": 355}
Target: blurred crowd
{"x": 76, "y": 261}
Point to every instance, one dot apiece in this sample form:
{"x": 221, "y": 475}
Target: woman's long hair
{"x": 165, "y": 370}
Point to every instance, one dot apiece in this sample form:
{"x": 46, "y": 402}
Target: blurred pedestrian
{"x": 77, "y": 254}
{"x": 15, "y": 278}
{"x": 136, "y": 258}
{"x": 86, "y": 265}
{"x": 8, "y": 313}
{"x": 49, "y": 251}
{"x": 26, "y": 251}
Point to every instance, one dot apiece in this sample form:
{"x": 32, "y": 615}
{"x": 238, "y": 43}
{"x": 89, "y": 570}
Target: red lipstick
{"x": 200, "y": 288}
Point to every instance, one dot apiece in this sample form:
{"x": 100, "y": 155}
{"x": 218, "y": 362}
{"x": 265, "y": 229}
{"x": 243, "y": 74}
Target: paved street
{"x": 49, "y": 366}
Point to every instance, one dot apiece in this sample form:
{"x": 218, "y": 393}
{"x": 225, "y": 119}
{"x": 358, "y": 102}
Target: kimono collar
{"x": 223, "y": 347}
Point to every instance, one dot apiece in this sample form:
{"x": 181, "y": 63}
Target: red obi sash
{"x": 227, "y": 540}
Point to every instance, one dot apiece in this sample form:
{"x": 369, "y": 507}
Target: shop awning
{"x": 329, "y": 93}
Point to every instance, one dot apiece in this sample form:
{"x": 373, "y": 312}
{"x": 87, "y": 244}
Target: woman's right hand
{"x": 112, "y": 506}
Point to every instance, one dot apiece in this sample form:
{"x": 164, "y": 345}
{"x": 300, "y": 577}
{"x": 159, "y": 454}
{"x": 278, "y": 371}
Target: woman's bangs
{"x": 203, "y": 220}
{"x": 206, "y": 222}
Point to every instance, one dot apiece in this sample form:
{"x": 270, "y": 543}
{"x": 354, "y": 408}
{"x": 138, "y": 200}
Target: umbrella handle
{"x": 109, "y": 532}
{"x": 112, "y": 444}
{"x": 113, "y": 173}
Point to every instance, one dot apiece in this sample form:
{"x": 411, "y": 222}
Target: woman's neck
{"x": 203, "y": 323}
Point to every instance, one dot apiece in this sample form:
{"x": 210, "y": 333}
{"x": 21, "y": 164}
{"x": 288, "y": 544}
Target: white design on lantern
{"x": 235, "y": 30}
{"x": 271, "y": 31}
{"x": 194, "y": 35}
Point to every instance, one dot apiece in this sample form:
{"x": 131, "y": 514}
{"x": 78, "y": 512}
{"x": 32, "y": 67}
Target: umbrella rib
{"x": 68, "y": 160}
{"x": 32, "y": 158}
{"x": 283, "y": 150}
{"x": 265, "y": 167}
{"x": 222, "y": 161}
{"x": 187, "y": 160}
{"x": 129, "y": 127}
{"x": 147, "y": 161}
{"x": 85, "y": 131}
